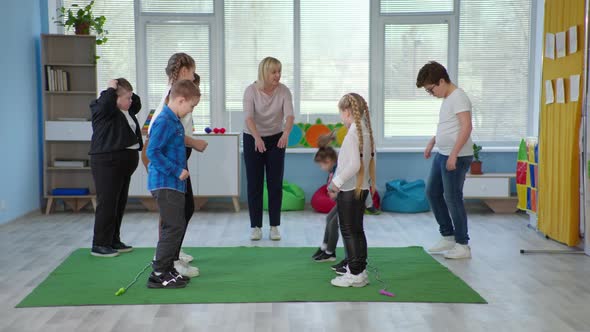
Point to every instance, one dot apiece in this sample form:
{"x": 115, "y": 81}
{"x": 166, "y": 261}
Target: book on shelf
{"x": 64, "y": 81}
{"x": 57, "y": 79}
{"x": 70, "y": 163}
{"x": 49, "y": 79}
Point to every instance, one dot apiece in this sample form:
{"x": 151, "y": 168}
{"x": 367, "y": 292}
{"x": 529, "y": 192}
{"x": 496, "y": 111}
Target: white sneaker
{"x": 444, "y": 244}
{"x": 183, "y": 256}
{"x": 350, "y": 280}
{"x": 459, "y": 251}
{"x": 256, "y": 234}
{"x": 186, "y": 270}
{"x": 274, "y": 233}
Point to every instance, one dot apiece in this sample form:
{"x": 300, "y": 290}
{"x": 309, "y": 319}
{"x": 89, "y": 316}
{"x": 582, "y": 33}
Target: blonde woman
{"x": 268, "y": 114}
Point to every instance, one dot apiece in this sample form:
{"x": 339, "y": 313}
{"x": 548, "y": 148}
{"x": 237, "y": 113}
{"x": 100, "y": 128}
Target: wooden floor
{"x": 525, "y": 293}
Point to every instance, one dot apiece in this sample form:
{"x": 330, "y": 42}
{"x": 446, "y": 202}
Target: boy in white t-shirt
{"x": 449, "y": 167}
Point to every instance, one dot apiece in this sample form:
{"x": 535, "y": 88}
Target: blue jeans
{"x": 445, "y": 195}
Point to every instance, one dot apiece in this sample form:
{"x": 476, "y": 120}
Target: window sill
{"x": 495, "y": 149}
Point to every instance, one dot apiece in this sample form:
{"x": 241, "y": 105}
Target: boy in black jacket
{"x": 116, "y": 140}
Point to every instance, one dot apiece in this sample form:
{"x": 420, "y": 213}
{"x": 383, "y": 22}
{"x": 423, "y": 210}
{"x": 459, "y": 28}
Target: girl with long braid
{"x": 181, "y": 66}
{"x": 354, "y": 177}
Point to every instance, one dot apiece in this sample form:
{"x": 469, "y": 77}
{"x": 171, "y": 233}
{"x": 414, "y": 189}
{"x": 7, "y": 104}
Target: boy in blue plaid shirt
{"x": 167, "y": 174}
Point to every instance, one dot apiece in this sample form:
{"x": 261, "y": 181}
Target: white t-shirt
{"x": 187, "y": 120}
{"x": 132, "y": 126}
{"x": 448, "y": 127}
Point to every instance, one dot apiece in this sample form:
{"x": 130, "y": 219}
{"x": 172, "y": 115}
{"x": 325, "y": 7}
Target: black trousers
{"x": 112, "y": 174}
{"x": 331, "y": 232}
{"x": 173, "y": 226}
{"x": 189, "y": 204}
{"x": 351, "y": 210}
{"x": 273, "y": 162}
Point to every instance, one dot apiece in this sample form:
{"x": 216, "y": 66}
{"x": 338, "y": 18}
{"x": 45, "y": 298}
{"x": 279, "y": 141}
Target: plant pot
{"x": 476, "y": 168}
{"x": 82, "y": 28}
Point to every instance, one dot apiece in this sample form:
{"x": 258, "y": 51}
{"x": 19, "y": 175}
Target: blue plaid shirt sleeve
{"x": 160, "y": 137}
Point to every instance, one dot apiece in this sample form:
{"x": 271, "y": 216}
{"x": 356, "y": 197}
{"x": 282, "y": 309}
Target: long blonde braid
{"x": 358, "y": 106}
{"x": 357, "y": 115}
{"x": 372, "y": 166}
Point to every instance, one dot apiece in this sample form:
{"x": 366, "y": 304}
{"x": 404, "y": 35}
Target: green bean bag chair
{"x": 293, "y": 197}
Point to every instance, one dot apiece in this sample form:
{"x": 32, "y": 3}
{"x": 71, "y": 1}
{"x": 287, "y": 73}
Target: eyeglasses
{"x": 430, "y": 90}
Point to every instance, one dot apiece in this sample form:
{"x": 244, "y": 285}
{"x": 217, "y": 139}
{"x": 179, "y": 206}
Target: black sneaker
{"x": 342, "y": 263}
{"x": 317, "y": 253}
{"x": 325, "y": 257}
{"x": 341, "y": 270}
{"x": 102, "y": 251}
{"x": 179, "y": 276}
{"x": 122, "y": 247}
{"x": 165, "y": 280}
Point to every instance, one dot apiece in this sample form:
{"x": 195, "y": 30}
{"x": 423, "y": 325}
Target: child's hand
{"x": 113, "y": 84}
{"x": 200, "y": 145}
{"x": 184, "y": 175}
{"x": 332, "y": 195}
{"x": 259, "y": 145}
{"x": 333, "y": 190}
{"x": 452, "y": 163}
{"x": 428, "y": 150}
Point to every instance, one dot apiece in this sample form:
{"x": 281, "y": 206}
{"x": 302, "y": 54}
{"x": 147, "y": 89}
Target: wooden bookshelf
{"x": 67, "y": 139}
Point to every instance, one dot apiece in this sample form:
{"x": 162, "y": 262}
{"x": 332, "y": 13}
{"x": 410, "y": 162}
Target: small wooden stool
{"x": 76, "y": 203}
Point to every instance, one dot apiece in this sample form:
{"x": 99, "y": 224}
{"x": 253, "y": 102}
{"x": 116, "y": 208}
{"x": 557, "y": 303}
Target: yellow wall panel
{"x": 559, "y": 197}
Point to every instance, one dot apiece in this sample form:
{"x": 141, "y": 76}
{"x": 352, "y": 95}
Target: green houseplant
{"x": 82, "y": 19}
{"x": 476, "y": 163}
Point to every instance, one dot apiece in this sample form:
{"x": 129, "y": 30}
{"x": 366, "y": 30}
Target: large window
{"x": 117, "y": 56}
{"x": 485, "y": 47}
{"x": 408, "y": 111}
{"x": 334, "y": 54}
{"x": 255, "y": 29}
{"x": 163, "y": 40}
{"x": 494, "y": 44}
{"x": 325, "y": 58}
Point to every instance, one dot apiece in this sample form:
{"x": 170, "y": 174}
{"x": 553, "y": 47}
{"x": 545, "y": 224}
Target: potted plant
{"x": 83, "y": 21}
{"x": 476, "y": 163}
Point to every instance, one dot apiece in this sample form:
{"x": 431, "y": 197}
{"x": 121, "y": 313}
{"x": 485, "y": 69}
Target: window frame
{"x": 377, "y": 55}
{"x": 143, "y": 19}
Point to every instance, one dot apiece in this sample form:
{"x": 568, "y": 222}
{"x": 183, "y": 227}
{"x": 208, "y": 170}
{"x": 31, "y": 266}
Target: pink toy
{"x": 216, "y": 130}
{"x": 386, "y": 293}
{"x": 222, "y": 130}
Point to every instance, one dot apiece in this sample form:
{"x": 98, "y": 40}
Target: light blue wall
{"x": 20, "y": 179}
{"x": 301, "y": 170}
